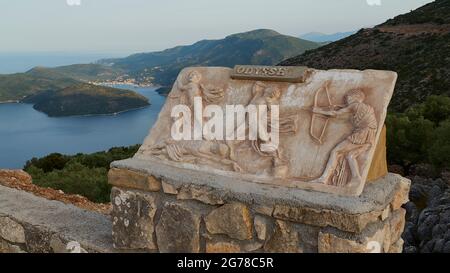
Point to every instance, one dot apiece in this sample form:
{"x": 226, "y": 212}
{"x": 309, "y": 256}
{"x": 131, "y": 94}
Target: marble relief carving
{"x": 328, "y": 125}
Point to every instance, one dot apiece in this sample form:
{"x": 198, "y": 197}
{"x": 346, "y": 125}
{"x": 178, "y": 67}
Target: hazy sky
{"x": 125, "y": 26}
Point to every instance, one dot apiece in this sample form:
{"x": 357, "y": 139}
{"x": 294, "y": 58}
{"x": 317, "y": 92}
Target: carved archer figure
{"x": 359, "y": 141}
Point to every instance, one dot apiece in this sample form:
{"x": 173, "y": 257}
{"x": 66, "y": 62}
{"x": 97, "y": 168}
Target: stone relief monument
{"x": 328, "y": 126}
{"x": 264, "y": 159}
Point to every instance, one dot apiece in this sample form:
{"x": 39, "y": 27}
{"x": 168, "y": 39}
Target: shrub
{"x": 49, "y": 162}
{"x": 421, "y": 134}
{"x": 83, "y": 174}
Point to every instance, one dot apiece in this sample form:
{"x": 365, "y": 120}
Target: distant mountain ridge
{"x": 319, "y": 37}
{"x": 262, "y": 46}
{"x": 259, "y": 47}
{"x": 416, "y": 45}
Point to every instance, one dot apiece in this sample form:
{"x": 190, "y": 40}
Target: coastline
{"x": 87, "y": 115}
{"x": 95, "y": 115}
{"x": 10, "y": 101}
{"x": 135, "y": 85}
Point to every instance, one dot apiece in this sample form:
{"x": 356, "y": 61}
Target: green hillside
{"x": 416, "y": 45}
{"x": 85, "y": 72}
{"x": 264, "y": 47}
{"x": 57, "y": 94}
{"x": 86, "y": 99}
{"x": 17, "y": 86}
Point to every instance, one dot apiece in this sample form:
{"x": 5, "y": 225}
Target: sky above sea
{"x": 142, "y": 25}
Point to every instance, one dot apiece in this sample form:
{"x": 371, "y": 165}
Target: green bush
{"x": 48, "y": 163}
{"x": 439, "y": 151}
{"x": 421, "y": 134}
{"x": 407, "y": 139}
{"x": 75, "y": 178}
{"x": 83, "y": 174}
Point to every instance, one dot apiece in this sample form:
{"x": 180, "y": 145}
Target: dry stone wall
{"x": 189, "y": 217}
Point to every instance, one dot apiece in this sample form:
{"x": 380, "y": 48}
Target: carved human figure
{"x": 201, "y": 150}
{"x": 194, "y": 89}
{"x": 195, "y": 151}
{"x": 360, "y": 140}
{"x": 263, "y": 95}
{"x": 187, "y": 92}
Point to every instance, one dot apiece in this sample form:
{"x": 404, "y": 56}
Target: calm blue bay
{"x": 27, "y": 133}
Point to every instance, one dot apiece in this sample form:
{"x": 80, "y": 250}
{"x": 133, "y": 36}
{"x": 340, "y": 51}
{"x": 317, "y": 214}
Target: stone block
{"x": 178, "y": 229}
{"x": 200, "y": 193}
{"x": 133, "y": 219}
{"x": 323, "y": 218}
{"x": 397, "y": 224}
{"x": 401, "y": 195}
{"x": 6, "y": 247}
{"x": 263, "y": 209}
{"x": 11, "y": 231}
{"x": 169, "y": 188}
{"x": 285, "y": 239}
{"x": 222, "y": 247}
{"x": 226, "y": 245}
{"x": 133, "y": 180}
{"x": 396, "y": 247}
{"x": 331, "y": 243}
{"x": 232, "y": 219}
{"x": 378, "y": 237}
{"x": 263, "y": 227}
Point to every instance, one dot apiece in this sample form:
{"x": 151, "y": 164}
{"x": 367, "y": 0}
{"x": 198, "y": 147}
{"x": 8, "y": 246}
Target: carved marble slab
{"x": 329, "y": 124}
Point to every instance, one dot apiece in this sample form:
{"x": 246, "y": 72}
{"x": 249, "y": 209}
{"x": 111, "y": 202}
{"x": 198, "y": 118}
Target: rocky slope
{"x": 21, "y": 180}
{"x": 416, "y": 45}
{"x": 427, "y": 227}
{"x": 326, "y": 38}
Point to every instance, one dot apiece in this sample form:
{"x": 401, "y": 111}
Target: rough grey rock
{"x": 7, "y": 247}
{"x": 232, "y": 219}
{"x": 11, "y": 231}
{"x": 178, "y": 229}
{"x": 285, "y": 239}
{"x": 427, "y": 228}
{"x": 38, "y": 239}
{"x": 263, "y": 226}
{"x": 133, "y": 219}
{"x": 90, "y": 229}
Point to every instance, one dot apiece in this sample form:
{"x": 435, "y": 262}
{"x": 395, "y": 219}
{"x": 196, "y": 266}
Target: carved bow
{"x": 315, "y": 116}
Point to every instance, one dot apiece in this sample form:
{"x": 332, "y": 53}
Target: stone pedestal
{"x": 161, "y": 208}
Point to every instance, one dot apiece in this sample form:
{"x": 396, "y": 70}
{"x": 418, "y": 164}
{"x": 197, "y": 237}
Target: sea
{"x": 26, "y": 133}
